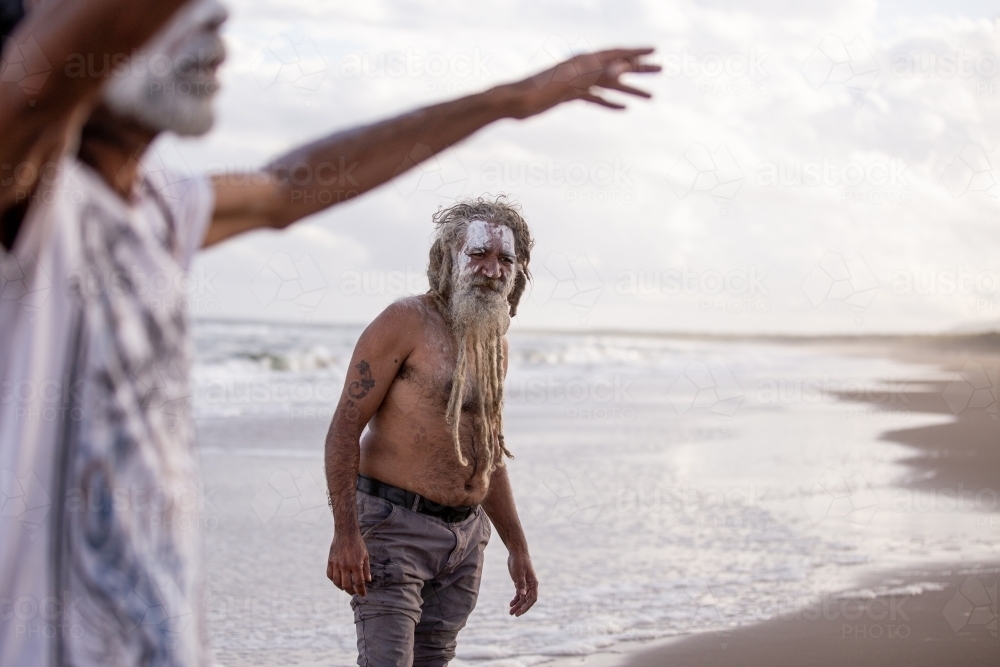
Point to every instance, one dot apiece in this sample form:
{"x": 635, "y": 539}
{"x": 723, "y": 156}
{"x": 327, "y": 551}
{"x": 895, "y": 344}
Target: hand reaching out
{"x": 582, "y": 78}
{"x": 382, "y": 151}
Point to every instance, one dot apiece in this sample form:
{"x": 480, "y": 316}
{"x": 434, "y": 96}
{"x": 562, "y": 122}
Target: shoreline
{"x": 269, "y": 517}
{"x": 930, "y": 628}
{"x": 986, "y": 338}
{"x": 945, "y": 613}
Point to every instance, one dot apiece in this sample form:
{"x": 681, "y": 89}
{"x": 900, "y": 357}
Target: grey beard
{"x": 480, "y": 318}
{"x": 481, "y": 313}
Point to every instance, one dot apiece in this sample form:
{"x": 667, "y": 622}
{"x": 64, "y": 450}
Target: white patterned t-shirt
{"x": 99, "y": 546}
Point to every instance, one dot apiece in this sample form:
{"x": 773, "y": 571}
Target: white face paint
{"x": 481, "y": 235}
{"x": 170, "y": 83}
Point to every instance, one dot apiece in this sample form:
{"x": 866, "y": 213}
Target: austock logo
{"x": 709, "y": 387}
{"x": 835, "y": 62}
{"x": 285, "y": 495}
{"x": 442, "y": 175}
{"x": 836, "y": 497}
{"x": 711, "y": 172}
{"x": 454, "y": 71}
{"x": 974, "y": 605}
{"x": 974, "y": 387}
{"x": 23, "y": 281}
{"x": 155, "y": 603}
{"x": 848, "y": 281}
{"x": 565, "y": 496}
{"x": 25, "y": 64}
{"x": 574, "y": 282}
{"x": 972, "y": 171}
{"x": 298, "y": 281}
{"x": 290, "y": 60}
{"x": 553, "y": 51}
{"x": 24, "y": 499}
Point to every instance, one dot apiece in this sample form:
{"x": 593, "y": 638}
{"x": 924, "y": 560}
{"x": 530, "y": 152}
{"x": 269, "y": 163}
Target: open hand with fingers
{"x": 348, "y": 567}
{"x": 525, "y": 581}
{"x": 583, "y": 77}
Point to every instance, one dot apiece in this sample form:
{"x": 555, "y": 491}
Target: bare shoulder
{"x": 404, "y": 321}
{"x": 410, "y": 310}
{"x": 420, "y": 309}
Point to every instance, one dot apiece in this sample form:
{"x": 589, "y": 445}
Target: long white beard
{"x": 479, "y": 311}
{"x": 480, "y": 318}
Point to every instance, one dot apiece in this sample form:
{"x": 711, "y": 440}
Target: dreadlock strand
{"x": 489, "y": 407}
{"x": 454, "y": 410}
{"x": 501, "y": 446}
{"x": 485, "y": 406}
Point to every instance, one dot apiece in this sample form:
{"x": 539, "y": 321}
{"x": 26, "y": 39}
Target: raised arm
{"x": 380, "y": 351}
{"x": 45, "y": 93}
{"x": 334, "y": 169}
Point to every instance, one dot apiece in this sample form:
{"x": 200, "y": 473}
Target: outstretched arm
{"x": 44, "y": 99}
{"x": 332, "y": 170}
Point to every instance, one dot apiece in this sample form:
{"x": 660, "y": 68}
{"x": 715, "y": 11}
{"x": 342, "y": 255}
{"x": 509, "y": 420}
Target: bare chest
{"x": 425, "y": 379}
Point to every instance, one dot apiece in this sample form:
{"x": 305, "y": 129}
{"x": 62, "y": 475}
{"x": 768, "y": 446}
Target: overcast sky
{"x": 803, "y": 167}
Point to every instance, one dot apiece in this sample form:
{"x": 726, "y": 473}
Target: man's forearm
{"x": 99, "y": 29}
{"x": 500, "y": 508}
{"x": 45, "y": 95}
{"x": 349, "y": 163}
{"x": 332, "y": 170}
{"x": 343, "y": 454}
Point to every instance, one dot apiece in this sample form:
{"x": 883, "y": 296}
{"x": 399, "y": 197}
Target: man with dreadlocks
{"x": 414, "y": 496}
{"x": 94, "y": 255}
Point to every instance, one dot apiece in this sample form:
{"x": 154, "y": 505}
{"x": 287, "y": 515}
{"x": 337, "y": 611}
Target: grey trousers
{"x": 425, "y": 581}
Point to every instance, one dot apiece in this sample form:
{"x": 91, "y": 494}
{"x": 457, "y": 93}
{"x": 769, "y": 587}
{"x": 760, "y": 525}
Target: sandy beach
{"x": 940, "y": 615}
{"x": 886, "y": 622}
{"x": 678, "y": 495}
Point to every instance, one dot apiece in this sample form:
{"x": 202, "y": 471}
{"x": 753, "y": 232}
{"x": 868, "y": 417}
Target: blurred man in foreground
{"x": 426, "y": 379}
{"x": 96, "y": 435}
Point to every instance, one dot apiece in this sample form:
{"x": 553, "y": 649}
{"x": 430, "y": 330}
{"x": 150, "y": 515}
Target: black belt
{"x": 413, "y": 501}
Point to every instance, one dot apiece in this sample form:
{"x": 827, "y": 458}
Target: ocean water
{"x": 666, "y": 486}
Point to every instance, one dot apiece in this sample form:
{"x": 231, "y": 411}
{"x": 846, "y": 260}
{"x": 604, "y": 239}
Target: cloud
{"x": 736, "y": 76}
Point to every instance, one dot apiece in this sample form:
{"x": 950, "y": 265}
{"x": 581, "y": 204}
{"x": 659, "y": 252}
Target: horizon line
{"x": 986, "y": 335}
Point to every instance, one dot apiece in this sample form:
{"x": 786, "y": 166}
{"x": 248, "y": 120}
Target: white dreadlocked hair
{"x": 479, "y": 354}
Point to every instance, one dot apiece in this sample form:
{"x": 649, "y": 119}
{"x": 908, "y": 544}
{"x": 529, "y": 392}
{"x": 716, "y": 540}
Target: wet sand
{"x": 954, "y": 625}
{"x": 932, "y": 629}
{"x": 964, "y": 453}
